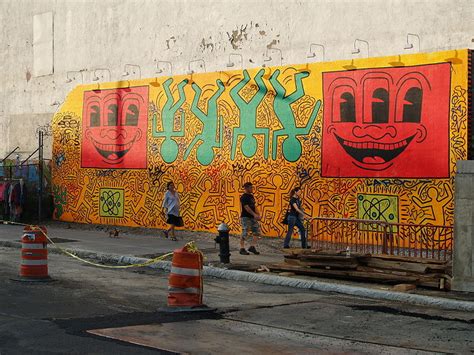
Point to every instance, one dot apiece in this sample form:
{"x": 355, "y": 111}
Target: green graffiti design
{"x": 60, "y": 200}
{"x": 248, "y": 117}
{"x": 169, "y": 147}
{"x": 205, "y": 151}
{"x": 291, "y": 146}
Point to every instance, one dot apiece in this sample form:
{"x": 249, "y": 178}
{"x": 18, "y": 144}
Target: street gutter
{"x": 274, "y": 280}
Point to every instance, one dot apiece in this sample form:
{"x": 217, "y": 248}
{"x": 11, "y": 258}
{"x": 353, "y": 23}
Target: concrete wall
{"x": 463, "y": 260}
{"x": 109, "y": 34}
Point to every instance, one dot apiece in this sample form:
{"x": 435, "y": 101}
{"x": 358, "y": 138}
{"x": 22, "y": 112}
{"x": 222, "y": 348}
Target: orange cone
{"x": 185, "y": 286}
{"x": 34, "y": 253}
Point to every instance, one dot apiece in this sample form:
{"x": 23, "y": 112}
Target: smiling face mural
{"x": 387, "y": 122}
{"x": 378, "y": 142}
{"x": 114, "y": 124}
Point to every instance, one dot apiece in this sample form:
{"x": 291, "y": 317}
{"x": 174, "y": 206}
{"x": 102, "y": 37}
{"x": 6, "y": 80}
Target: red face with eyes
{"x": 387, "y": 122}
{"x": 114, "y": 124}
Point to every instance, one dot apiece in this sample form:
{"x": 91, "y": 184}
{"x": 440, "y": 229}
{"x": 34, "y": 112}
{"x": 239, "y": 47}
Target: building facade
{"x": 49, "y": 47}
{"x": 364, "y": 104}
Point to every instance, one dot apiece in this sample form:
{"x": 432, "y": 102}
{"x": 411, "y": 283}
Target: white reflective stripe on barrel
{"x": 32, "y": 253}
{"x": 34, "y": 262}
{"x": 32, "y": 246}
{"x": 185, "y": 271}
{"x": 184, "y": 290}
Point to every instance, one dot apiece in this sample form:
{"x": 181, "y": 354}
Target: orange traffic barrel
{"x": 34, "y": 253}
{"x": 185, "y": 286}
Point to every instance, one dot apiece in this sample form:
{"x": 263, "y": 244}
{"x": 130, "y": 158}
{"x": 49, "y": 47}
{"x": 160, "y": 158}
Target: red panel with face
{"x": 114, "y": 125}
{"x": 387, "y": 122}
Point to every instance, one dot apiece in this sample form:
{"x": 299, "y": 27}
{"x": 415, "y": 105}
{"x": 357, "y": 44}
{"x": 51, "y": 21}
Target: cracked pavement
{"x": 123, "y": 305}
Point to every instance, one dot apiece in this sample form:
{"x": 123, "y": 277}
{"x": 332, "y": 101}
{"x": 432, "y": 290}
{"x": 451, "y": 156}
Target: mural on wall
{"x": 114, "y": 124}
{"x": 387, "y": 122}
{"x": 111, "y": 202}
{"x": 377, "y": 142}
{"x": 378, "y": 207}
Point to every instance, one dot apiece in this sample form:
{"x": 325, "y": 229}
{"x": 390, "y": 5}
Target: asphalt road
{"x": 54, "y": 318}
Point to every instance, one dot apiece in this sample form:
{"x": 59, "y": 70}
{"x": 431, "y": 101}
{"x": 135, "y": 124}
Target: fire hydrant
{"x": 223, "y": 240}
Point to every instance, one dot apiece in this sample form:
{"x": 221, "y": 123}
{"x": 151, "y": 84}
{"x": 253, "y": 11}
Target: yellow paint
{"x": 210, "y": 194}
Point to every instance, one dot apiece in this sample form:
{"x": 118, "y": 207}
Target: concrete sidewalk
{"x": 140, "y": 242}
{"x": 136, "y": 245}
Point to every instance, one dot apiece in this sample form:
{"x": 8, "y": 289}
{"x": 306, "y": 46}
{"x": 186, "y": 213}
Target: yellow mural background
{"x": 210, "y": 194}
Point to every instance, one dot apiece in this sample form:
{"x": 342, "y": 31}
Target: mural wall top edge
{"x": 454, "y": 56}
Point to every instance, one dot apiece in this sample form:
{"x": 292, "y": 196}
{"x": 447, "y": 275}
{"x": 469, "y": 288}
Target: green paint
{"x": 60, "y": 200}
{"x": 205, "y": 151}
{"x": 111, "y": 202}
{"x": 248, "y": 117}
{"x": 377, "y": 208}
{"x": 291, "y": 146}
{"x": 169, "y": 147}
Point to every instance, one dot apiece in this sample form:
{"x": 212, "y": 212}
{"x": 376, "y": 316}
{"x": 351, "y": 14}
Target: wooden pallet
{"x": 364, "y": 267}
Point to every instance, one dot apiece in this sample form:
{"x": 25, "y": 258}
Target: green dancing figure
{"x": 205, "y": 151}
{"x": 248, "y": 117}
{"x": 291, "y": 146}
{"x": 169, "y": 147}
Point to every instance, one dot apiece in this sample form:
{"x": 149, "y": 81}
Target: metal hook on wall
{"x": 202, "y": 66}
{"x": 268, "y": 58}
{"x": 230, "y": 63}
{"x": 356, "y": 49}
{"x": 160, "y": 68}
{"x": 132, "y": 69}
{"x": 99, "y": 74}
{"x": 312, "y": 53}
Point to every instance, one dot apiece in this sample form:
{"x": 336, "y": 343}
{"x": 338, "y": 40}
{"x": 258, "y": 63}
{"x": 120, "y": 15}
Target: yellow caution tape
{"x": 191, "y": 246}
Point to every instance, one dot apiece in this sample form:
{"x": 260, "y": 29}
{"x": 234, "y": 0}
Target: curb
{"x": 274, "y": 280}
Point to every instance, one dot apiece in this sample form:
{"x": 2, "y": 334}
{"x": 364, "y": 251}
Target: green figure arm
{"x": 190, "y": 147}
{"x": 211, "y": 106}
{"x": 182, "y": 96}
{"x": 169, "y": 111}
{"x": 262, "y": 89}
{"x": 220, "y": 90}
{"x": 279, "y": 89}
{"x": 166, "y": 108}
{"x": 212, "y": 111}
{"x": 177, "y": 106}
{"x": 234, "y": 92}
{"x": 199, "y": 114}
{"x": 248, "y": 119}
{"x": 194, "y": 105}
{"x": 240, "y": 102}
{"x": 221, "y": 132}
{"x": 209, "y": 127}
{"x": 180, "y": 133}
{"x": 299, "y": 92}
{"x": 154, "y": 130}
{"x": 169, "y": 96}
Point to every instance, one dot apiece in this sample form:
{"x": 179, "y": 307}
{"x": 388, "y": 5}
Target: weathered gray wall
{"x": 463, "y": 261}
{"x": 111, "y": 33}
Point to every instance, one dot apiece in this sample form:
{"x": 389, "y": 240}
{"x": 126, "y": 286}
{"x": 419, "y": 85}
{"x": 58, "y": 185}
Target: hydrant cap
{"x": 223, "y": 227}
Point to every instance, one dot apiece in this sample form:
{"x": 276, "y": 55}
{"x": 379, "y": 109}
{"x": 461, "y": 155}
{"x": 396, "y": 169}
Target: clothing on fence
{"x": 13, "y": 197}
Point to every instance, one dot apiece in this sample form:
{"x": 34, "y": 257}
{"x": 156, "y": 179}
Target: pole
{"x": 223, "y": 240}
{"x": 13, "y": 151}
{"x": 40, "y": 171}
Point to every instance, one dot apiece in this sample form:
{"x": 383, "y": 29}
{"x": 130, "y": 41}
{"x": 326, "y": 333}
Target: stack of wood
{"x": 388, "y": 269}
